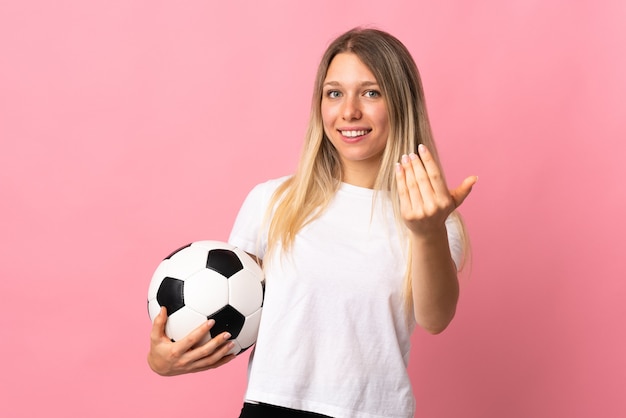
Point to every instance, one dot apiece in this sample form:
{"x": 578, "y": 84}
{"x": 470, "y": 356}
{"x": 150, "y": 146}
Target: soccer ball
{"x": 209, "y": 280}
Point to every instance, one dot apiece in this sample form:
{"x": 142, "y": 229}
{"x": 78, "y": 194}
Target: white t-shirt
{"x": 334, "y": 338}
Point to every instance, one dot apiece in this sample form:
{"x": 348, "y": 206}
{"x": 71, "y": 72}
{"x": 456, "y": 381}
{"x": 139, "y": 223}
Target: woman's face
{"x": 354, "y": 115}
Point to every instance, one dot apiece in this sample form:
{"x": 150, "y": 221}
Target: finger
{"x": 214, "y": 344}
{"x": 224, "y": 346}
{"x": 195, "y": 336}
{"x": 206, "y": 364}
{"x": 421, "y": 176}
{"x": 214, "y": 352}
{"x": 225, "y": 360}
{"x": 427, "y": 194}
{"x": 414, "y": 192}
{"x": 403, "y": 192}
{"x": 438, "y": 185}
{"x": 158, "y": 326}
{"x": 460, "y": 193}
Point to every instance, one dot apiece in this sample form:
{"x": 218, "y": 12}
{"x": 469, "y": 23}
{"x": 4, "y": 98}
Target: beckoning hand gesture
{"x": 425, "y": 201}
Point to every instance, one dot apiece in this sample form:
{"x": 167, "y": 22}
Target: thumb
{"x": 460, "y": 193}
{"x": 158, "y": 326}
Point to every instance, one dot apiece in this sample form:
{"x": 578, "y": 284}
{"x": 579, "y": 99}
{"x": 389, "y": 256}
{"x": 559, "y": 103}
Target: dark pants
{"x": 262, "y": 410}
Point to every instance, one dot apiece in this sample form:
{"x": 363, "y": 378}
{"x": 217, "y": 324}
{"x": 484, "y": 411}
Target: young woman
{"x": 358, "y": 247}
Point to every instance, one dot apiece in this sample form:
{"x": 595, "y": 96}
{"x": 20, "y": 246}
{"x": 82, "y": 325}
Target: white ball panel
{"x": 186, "y": 262}
{"x": 182, "y": 322}
{"x": 153, "y": 309}
{"x": 157, "y": 278}
{"x": 250, "y": 330}
{"x": 206, "y": 292}
{"x": 245, "y": 292}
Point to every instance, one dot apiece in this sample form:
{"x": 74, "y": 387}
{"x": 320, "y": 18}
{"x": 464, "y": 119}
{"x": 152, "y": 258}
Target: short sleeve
{"x": 455, "y": 240}
{"x": 249, "y": 232}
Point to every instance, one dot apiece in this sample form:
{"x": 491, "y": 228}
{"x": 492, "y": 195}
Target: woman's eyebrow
{"x": 366, "y": 83}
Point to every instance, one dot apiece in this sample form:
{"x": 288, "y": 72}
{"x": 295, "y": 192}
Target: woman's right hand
{"x": 169, "y": 358}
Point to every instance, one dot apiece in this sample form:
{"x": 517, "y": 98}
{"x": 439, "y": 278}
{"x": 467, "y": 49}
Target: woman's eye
{"x": 333, "y": 94}
{"x": 372, "y": 93}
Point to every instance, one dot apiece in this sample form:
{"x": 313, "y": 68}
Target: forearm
{"x": 434, "y": 281}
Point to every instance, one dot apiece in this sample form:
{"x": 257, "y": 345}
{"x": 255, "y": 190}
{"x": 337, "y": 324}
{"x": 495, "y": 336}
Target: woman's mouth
{"x": 355, "y": 133}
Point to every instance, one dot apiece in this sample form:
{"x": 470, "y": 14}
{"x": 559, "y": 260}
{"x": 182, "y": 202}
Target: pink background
{"x": 131, "y": 127}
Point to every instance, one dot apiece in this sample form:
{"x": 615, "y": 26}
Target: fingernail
{"x": 210, "y": 322}
{"x": 398, "y": 168}
{"x": 413, "y": 156}
{"x": 227, "y": 335}
{"x": 405, "y": 158}
{"x": 421, "y": 148}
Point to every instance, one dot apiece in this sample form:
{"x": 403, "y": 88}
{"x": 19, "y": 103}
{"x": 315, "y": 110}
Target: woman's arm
{"x": 425, "y": 204}
{"x": 434, "y": 281}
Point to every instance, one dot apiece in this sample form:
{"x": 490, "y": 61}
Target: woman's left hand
{"x": 425, "y": 200}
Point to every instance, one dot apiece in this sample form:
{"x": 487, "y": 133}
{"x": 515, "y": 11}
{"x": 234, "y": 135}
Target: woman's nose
{"x": 351, "y": 109}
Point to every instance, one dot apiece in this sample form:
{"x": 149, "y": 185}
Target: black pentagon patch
{"x": 181, "y": 248}
{"x": 227, "y": 319}
{"x": 225, "y": 262}
{"x": 170, "y": 294}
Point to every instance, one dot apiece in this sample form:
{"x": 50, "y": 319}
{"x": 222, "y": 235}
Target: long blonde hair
{"x": 303, "y": 197}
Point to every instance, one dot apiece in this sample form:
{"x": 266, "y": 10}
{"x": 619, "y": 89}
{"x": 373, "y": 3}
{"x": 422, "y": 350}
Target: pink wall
{"x": 130, "y": 127}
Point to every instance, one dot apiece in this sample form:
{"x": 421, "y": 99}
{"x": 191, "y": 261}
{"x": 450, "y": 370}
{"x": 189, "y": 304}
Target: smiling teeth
{"x": 352, "y": 134}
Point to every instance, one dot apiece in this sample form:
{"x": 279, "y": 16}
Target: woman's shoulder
{"x": 276, "y": 182}
{"x": 270, "y": 186}
{"x": 266, "y": 189}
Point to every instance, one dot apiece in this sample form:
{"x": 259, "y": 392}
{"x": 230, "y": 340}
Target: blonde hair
{"x": 303, "y": 197}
